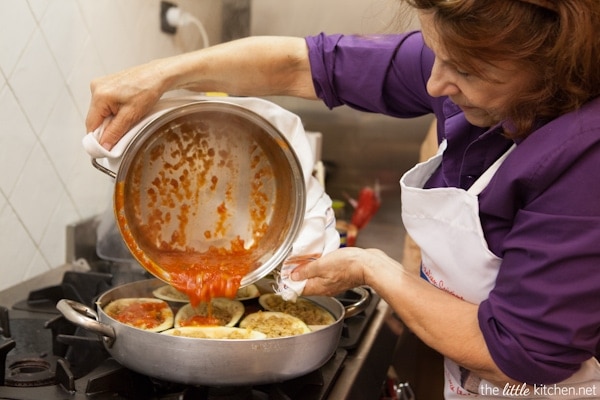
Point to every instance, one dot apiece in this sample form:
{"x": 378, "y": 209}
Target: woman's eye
{"x": 462, "y": 73}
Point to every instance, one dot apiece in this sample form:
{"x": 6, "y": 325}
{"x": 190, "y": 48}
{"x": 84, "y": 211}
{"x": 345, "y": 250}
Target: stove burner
{"x": 5, "y": 348}
{"x": 79, "y": 286}
{"x": 212, "y": 393}
{"x": 31, "y": 371}
{"x": 353, "y": 328}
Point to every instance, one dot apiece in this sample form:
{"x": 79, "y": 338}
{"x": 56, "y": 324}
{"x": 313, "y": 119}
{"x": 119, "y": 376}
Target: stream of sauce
{"x": 202, "y": 276}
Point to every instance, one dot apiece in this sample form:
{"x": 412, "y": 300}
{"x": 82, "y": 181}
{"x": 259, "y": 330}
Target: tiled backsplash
{"x": 49, "y": 52}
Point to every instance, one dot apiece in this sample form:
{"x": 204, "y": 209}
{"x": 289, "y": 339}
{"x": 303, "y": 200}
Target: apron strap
{"x": 486, "y": 177}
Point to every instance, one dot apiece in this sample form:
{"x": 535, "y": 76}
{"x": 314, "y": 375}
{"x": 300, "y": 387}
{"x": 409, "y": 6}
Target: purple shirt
{"x": 540, "y": 213}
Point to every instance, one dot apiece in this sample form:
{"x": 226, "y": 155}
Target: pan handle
{"x": 359, "y": 305}
{"x": 86, "y": 318}
{"x": 102, "y": 168}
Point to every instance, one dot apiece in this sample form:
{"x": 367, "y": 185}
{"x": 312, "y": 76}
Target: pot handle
{"x": 102, "y": 168}
{"x": 360, "y": 305}
{"x": 86, "y": 318}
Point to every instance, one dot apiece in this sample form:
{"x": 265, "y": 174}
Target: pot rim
{"x": 223, "y": 362}
{"x": 145, "y": 287}
{"x": 298, "y": 185}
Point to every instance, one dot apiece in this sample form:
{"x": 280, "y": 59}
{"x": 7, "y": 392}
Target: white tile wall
{"x": 49, "y": 51}
{"x": 309, "y": 17}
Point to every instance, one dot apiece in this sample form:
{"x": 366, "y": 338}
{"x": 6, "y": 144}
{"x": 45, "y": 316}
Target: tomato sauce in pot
{"x": 147, "y": 315}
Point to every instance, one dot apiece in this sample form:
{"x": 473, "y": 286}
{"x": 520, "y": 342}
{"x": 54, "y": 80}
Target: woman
{"x": 506, "y": 215}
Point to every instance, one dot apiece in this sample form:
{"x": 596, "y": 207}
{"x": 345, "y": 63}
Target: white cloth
{"x": 445, "y": 223}
{"x": 317, "y": 236}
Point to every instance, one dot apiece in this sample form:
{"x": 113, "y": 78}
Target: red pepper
{"x": 367, "y": 205}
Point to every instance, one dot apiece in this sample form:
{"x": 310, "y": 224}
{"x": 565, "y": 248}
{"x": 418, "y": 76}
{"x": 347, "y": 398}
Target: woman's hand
{"x": 126, "y": 97}
{"x": 252, "y": 66}
{"x": 343, "y": 269}
{"x": 444, "y": 322}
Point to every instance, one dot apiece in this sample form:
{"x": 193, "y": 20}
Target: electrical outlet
{"x": 165, "y": 26}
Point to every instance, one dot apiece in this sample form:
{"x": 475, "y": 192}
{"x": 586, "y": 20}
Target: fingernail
{"x": 107, "y": 146}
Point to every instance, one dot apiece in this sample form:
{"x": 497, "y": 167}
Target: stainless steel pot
{"x": 212, "y": 362}
{"x": 205, "y": 174}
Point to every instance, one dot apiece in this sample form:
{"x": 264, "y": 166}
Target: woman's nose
{"x": 440, "y": 82}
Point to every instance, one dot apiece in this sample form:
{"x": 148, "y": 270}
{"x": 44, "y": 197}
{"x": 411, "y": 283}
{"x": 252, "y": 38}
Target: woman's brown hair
{"x": 554, "y": 41}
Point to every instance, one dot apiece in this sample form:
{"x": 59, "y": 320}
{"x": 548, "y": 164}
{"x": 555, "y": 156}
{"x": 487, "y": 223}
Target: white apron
{"x": 444, "y": 222}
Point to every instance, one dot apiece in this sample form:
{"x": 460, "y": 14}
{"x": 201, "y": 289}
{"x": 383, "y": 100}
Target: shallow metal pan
{"x": 212, "y": 362}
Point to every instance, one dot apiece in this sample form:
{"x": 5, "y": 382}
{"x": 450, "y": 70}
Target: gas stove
{"x": 43, "y": 356}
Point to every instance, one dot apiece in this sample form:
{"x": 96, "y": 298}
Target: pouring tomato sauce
{"x": 202, "y": 276}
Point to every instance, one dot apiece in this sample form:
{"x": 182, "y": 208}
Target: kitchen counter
{"x": 387, "y": 236}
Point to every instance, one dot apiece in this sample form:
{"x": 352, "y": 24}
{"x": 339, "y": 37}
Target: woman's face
{"x": 484, "y": 101}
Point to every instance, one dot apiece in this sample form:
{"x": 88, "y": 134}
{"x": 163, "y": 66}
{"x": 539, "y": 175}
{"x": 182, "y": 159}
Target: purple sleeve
{"x": 386, "y": 74}
{"x": 542, "y": 319}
